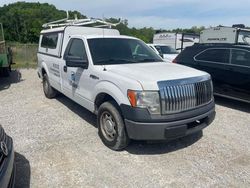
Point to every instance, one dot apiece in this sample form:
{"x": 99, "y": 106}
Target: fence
{"x": 24, "y": 55}
{"x": 1, "y": 33}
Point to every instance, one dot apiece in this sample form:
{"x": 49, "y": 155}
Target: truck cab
{"x": 134, "y": 94}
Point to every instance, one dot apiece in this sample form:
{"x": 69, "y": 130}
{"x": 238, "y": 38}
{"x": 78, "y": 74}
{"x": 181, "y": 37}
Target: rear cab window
{"x": 50, "y": 44}
{"x": 49, "y": 40}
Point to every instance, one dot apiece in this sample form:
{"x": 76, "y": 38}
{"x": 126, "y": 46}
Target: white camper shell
{"x": 61, "y": 35}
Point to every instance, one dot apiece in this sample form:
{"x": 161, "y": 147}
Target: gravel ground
{"x": 57, "y": 145}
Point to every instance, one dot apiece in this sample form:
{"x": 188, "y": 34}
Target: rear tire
{"x": 111, "y": 127}
{"x": 48, "y": 90}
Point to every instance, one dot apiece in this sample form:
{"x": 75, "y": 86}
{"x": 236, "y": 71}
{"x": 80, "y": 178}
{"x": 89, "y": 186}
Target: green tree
{"x": 23, "y": 21}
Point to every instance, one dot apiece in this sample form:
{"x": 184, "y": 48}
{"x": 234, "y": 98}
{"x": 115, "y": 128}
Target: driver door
{"x": 75, "y": 80}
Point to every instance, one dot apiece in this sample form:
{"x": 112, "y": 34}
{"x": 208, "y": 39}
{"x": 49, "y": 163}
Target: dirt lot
{"x": 57, "y": 145}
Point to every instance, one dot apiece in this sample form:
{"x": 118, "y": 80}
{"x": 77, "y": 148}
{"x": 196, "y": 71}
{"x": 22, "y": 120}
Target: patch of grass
{"x": 26, "y": 65}
{"x": 24, "y": 55}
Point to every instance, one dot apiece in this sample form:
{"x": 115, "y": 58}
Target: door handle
{"x": 65, "y": 68}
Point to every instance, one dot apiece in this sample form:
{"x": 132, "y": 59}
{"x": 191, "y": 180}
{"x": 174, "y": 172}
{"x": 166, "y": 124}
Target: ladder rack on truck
{"x": 79, "y": 22}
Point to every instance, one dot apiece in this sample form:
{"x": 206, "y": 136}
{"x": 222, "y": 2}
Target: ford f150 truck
{"x": 133, "y": 92}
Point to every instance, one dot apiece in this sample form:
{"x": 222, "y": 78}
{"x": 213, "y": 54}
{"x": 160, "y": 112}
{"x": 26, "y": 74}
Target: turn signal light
{"x": 132, "y": 98}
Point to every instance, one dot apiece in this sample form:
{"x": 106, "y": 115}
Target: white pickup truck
{"x": 133, "y": 92}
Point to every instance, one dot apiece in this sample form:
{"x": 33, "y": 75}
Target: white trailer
{"x": 229, "y": 35}
{"x": 177, "y": 41}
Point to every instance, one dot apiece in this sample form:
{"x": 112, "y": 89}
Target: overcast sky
{"x": 165, "y": 14}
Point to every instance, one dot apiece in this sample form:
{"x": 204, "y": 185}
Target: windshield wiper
{"x": 114, "y": 60}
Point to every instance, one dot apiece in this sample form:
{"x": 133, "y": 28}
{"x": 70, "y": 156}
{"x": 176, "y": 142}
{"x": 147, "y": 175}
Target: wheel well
{"x": 43, "y": 72}
{"x": 103, "y": 97}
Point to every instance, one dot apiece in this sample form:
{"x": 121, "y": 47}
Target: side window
{"x": 214, "y": 55}
{"x": 49, "y": 40}
{"x": 77, "y": 49}
{"x": 240, "y": 57}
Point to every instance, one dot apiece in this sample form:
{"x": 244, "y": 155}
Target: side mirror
{"x": 72, "y": 61}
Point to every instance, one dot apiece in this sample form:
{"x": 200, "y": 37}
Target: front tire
{"x": 111, "y": 127}
{"x": 48, "y": 90}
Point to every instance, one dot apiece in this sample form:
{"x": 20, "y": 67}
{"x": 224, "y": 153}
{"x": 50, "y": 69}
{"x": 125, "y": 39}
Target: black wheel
{"x": 6, "y": 72}
{"x": 49, "y": 91}
{"x": 111, "y": 127}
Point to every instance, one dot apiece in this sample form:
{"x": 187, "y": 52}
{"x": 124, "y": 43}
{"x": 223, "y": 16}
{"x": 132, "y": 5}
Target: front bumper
{"x": 172, "y": 127}
{"x": 7, "y": 168}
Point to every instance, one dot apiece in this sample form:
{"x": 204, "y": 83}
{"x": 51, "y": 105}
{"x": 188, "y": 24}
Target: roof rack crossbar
{"x": 57, "y": 21}
{"x": 79, "y": 22}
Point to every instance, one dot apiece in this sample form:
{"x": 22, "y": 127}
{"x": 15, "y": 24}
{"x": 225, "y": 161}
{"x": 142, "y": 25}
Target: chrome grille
{"x": 182, "y": 95}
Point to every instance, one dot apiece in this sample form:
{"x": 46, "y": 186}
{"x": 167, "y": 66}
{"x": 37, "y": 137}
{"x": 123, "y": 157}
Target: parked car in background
{"x": 166, "y": 52}
{"x": 7, "y": 167}
{"x": 223, "y": 52}
{"x": 228, "y": 64}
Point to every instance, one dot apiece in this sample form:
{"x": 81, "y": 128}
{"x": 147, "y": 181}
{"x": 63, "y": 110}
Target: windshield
{"x": 111, "y": 51}
{"x": 166, "y": 49}
{"x": 244, "y": 37}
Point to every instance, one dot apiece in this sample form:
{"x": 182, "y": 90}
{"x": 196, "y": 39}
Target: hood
{"x": 148, "y": 74}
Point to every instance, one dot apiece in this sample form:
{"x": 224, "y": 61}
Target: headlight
{"x": 145, "y": 99}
